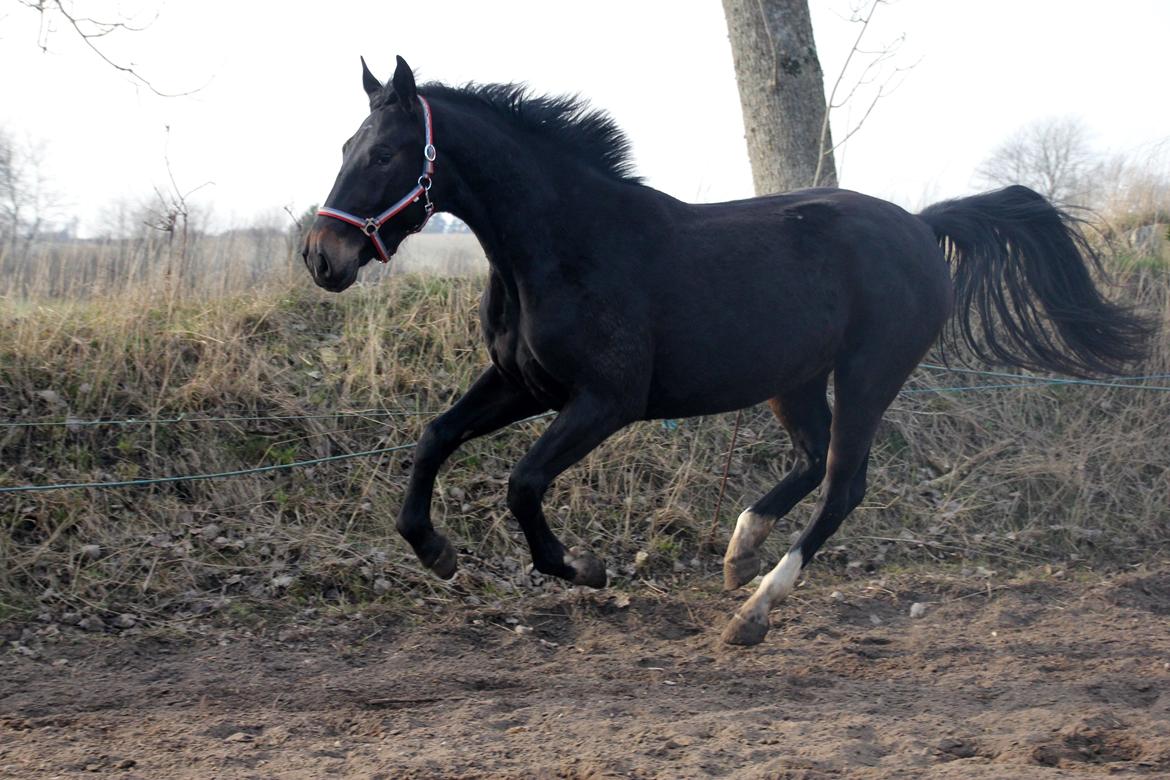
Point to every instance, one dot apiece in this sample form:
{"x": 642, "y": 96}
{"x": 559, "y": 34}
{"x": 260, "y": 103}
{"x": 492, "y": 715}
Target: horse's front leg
{"x": 490, "y": 404}
{"x": 583, "y": 424}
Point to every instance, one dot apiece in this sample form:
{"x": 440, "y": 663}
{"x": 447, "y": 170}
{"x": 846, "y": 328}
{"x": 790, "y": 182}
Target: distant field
{"x": 203, "y": 265}
{"x": 447, "y": 254}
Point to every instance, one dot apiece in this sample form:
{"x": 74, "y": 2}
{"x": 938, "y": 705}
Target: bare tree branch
{"x": 90, "y": 30}
{"x": 873, "y": 71}
{"x": 173, "y": 211}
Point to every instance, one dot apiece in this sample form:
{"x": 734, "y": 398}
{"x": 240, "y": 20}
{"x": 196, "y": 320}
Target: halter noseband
{"x": 371, "y": 225}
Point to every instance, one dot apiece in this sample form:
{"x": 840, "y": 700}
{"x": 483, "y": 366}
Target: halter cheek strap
{"x": 371, "y": 225}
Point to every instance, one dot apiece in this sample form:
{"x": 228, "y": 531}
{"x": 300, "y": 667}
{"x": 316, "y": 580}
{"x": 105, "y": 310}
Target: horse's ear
{"x": 403, "y": 83}
{"x": 371, "y": 84}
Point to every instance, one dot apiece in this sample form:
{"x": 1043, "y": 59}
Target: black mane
{"x": 591, "y": 134}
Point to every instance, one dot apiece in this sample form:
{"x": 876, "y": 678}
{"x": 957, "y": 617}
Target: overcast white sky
{"x": 280, "y": 88}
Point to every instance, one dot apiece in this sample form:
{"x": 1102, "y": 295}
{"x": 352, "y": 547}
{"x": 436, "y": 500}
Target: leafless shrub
{"x": 1053, "y": 156}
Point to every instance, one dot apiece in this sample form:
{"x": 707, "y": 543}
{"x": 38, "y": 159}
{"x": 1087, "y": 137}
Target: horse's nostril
{"x": 322, "y": 264}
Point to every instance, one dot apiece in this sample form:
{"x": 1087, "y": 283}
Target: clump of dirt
{"x": 1031, "y": 678}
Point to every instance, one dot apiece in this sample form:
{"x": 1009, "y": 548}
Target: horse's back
{"x": 774, "y": 290}
{"x": 868, "y": 252}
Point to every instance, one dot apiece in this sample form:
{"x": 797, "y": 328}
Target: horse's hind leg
{"x": 805, "y": 414}
{"x": 864, "y": 386}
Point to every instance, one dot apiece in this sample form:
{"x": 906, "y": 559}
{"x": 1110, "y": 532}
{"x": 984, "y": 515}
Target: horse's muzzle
{"x": 332, "y": 260}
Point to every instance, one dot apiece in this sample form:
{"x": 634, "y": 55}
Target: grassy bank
{"x": 990, "y": 477}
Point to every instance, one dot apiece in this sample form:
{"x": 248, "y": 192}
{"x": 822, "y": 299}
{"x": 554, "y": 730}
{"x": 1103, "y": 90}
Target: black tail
{"x": 1024, "y": 291}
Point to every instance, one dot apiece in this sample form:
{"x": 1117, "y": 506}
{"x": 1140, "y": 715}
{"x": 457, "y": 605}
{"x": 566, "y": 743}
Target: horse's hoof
{"x": 446, "y": 562}
{"x": 741, "y": 570}
{"x": 744, "y": 631}
{"x": 587, "y": 568}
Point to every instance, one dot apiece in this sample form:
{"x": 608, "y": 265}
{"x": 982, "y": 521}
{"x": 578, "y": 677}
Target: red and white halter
{"x": 371, "y": 225}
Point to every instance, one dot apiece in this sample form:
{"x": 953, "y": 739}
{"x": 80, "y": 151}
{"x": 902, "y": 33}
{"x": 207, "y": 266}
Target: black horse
{"x": 612, "y": 302}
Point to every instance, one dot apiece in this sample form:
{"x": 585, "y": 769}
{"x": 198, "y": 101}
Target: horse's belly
{"x": 707, "y": 378}
{"x": 738, "y": 334}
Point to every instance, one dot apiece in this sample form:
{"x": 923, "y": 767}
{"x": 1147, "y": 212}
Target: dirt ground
{"x": 1033, "y": 678}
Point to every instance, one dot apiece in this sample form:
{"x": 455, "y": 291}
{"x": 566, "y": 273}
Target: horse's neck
{"x": 507, "y": 196}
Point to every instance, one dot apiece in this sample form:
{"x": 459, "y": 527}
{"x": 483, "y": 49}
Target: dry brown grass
{"x": 998, "y": 478}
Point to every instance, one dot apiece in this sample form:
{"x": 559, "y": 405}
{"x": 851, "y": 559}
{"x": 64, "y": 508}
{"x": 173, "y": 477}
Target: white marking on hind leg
{"x": 750, "y": 531}
{"x": 775, "y": 587}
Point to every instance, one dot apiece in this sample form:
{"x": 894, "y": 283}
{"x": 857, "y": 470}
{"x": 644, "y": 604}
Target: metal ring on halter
{"x": 429, "y": 152}
{"x": 424, "y": 181}
{"x": 371, "y": 227}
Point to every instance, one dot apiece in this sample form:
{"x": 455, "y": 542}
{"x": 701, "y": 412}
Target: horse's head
{"x": 379, "y": 198}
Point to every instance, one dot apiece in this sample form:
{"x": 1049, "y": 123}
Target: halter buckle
{"x": 429, "y": 152}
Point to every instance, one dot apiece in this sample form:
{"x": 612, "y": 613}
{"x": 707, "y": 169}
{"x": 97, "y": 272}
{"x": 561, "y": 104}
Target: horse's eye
{"x": 383, "y": 158}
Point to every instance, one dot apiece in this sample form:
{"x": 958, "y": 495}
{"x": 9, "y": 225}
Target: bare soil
{"x": 1037, "y": 677}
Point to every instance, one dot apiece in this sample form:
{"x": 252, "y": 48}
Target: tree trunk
{"x": 782, "y": 91}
